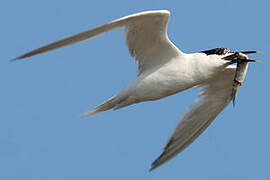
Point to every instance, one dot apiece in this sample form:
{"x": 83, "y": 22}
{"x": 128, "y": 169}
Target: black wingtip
{"x": 153, "y": 167}
{"x": 156, "y": 163}
{"x": 17, "y": 58}
{"x": 14, "y": 59}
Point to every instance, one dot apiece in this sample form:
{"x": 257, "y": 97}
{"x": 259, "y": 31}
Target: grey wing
{"x": 145, "y": 33}
{"x": 214, "y": 97}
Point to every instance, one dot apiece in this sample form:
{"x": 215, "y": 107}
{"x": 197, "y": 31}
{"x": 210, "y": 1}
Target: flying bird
{"x": 164, "y": 70}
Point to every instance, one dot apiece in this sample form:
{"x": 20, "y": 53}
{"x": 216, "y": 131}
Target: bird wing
{"x": 214, "y": 97}
{"x": 145, "y": 33}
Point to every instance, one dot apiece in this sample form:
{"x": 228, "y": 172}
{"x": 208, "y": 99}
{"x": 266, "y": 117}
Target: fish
{"x": 239, "y": 77}
{"x": 240, "y": 73}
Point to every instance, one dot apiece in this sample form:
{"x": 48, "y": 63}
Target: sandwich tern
{"x": 164, "y": 70}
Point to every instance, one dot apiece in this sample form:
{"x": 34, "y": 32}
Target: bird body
{"x": 180, "y": 73}
{"x": 165, "y": 70}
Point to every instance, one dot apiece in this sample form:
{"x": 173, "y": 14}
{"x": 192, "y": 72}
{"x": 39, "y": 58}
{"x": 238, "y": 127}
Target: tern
{"x": 164, "y": 70}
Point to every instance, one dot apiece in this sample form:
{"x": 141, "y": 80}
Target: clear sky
{"x": 42, "y": 96}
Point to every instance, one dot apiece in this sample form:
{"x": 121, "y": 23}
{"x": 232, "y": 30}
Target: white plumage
{"x": 164, "y": 70}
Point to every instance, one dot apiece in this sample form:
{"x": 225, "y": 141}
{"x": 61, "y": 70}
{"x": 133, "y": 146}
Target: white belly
{"x": 173, "y": 77}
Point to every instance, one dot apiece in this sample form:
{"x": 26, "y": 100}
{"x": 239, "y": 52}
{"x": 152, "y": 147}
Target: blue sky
{"x": 41, "y": 97}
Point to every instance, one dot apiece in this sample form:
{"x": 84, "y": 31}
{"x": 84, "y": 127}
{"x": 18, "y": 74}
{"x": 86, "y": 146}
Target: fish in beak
{"x": 242, "y": 61}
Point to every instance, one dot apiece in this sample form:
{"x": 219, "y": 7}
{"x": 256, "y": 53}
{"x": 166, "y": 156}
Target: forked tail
{"x": 115, "y": 102}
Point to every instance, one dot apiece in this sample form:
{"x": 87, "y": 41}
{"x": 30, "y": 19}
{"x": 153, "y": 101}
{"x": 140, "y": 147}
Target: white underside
{"x": 180, "y": 73}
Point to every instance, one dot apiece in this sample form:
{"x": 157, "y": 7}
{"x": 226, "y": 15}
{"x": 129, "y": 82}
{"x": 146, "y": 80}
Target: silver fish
{"x": 241, "y": 70}
{"x": 240, "y": 74}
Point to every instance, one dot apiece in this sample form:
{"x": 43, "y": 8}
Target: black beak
{"x": 236, "y": 57}
{"x": 249, "y": 52}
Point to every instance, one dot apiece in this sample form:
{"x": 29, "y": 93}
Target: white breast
{"x": 179, "y": 74}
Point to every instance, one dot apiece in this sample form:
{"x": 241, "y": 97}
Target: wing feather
{"x": 146, "y": 38}
{"x": 214, "y": 97}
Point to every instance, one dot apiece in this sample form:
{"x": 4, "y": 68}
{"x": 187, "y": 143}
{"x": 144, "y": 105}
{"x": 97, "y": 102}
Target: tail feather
{"x": 109, "y": 104}
{"x": 114, "y": 102}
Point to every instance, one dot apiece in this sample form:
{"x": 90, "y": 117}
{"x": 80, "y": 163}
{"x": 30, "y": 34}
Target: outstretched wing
{"x": 215, "y": 95}
{"x": 145, "y": 33}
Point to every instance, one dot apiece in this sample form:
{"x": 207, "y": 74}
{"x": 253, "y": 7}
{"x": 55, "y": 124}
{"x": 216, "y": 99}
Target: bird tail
{"x": 115, "y": 102}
